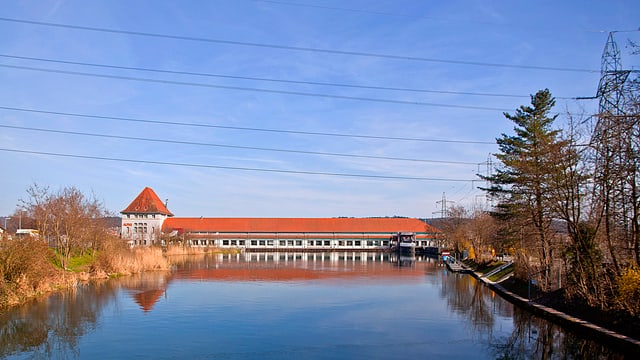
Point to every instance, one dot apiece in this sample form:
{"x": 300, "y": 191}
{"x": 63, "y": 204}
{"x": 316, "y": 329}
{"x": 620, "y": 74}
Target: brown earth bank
{"x": 619, "y": 322}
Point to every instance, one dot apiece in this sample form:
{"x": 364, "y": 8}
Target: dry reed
{"x": 130, "y": 261}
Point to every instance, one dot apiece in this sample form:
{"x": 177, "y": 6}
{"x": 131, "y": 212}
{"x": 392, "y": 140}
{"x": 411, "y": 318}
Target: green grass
{"x": 80, "y": 262}
{"x": 76, "y": 263}
{"x": 489, "y": 266}
{"x": 499, "y": 275}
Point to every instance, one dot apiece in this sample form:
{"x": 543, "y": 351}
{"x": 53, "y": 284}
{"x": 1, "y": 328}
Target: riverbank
{"x": 554, "y": 307}
{"x": 30, "y": 270}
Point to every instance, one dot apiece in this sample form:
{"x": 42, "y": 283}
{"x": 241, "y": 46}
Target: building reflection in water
{"x": 52, "y": 327}
{"x": 147, "y": 290}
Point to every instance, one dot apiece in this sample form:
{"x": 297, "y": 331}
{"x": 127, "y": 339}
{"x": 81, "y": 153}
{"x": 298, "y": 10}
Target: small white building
{"x": 142, "y": 219}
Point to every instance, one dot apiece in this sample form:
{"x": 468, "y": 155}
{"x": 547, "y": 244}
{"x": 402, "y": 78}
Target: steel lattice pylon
{"x": 612, "y": 80}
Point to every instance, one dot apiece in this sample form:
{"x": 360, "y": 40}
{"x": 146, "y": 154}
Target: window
{"x": 269, "y": 242}
{"x": 327, "y": 243}
{"x": 261, "y": 242}
{"x": 349, "y": 243}
{"x": 358, "y": 243}
{"x": 283, "y": 243}
{"x": 225, "y": 242}
{"x": 298, "y": 242}
{"x": 254, "y": 242}
{"x": 234, "y": 242}
{"x": 241, "y": 242}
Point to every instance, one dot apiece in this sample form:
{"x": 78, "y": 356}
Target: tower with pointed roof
{"x": 142, "y": 219}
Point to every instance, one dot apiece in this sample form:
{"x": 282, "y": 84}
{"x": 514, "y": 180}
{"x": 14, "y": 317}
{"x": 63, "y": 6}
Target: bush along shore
{"x": 29, "y": 268}
{"x": 623, "y": 331}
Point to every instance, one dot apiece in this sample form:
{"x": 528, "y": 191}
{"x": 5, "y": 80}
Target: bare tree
{"x": 70, "y": 221}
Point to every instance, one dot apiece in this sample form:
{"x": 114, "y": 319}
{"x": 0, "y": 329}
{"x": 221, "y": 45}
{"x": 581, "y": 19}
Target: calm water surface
{"x": 303, "y": 306}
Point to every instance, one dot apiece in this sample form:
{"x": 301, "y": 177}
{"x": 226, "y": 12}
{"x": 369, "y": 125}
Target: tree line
{"x": 566, "y": 203}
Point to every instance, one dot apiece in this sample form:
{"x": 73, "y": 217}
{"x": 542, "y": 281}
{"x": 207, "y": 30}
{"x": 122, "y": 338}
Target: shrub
{"x": 629, "y": 290}
{"x": 25, "y": 268}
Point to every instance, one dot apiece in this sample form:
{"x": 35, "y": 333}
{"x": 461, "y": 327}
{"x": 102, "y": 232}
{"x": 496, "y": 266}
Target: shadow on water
{"x": 531, "y": 338}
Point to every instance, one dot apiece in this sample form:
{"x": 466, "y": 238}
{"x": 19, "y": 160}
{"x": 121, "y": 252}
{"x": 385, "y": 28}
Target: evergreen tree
{"x": 521, "y": 185}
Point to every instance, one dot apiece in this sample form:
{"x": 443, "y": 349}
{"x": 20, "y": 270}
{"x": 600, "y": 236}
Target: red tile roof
{"x": 298, "y": 225}
{"x": 147, "y": 202}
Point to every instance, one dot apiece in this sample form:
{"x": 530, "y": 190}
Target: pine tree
{"x": 521, "y": 185}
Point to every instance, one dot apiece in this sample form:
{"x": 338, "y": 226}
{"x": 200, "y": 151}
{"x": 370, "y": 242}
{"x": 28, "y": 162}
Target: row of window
{"x": 140, "y": 228}
{"x": 139, "y": 216}
{"x": 257, "y": 257}
{"x": 297, "y": 243}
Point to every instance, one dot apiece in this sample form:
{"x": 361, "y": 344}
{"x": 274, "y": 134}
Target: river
{"x": 284, "y": 306}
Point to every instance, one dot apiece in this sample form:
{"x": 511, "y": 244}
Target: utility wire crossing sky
{"x": 286, "y": 108}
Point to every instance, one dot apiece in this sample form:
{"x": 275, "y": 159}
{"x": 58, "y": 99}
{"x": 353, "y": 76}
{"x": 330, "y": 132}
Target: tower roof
{"x": 147, "y": 202}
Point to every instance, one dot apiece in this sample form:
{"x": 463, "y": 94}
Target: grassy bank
{"x": 28, "y": 268}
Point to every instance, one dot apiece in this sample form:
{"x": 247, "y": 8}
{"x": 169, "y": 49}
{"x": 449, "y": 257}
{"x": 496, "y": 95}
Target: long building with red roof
{"x": 147, "y": 221}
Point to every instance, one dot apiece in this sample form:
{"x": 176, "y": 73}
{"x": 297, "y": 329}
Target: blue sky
{"x": 299, "y": 55}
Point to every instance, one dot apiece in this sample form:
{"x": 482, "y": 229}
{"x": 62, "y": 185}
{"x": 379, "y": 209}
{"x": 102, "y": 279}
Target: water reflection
{"x": 324, "y": 301}
{"x": 535, "y": 338}
{"x": 52, "y": 327}
{"x": 531, "y": 338}
{"x": 147, "y": 290}
{"x": 287, "y": 267}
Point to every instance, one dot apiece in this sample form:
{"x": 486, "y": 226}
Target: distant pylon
{"x": 444, "y": 210}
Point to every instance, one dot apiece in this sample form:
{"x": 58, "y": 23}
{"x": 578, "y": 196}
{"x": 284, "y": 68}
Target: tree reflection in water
{"x": 532, "y": 337}
{"x": 536, "y": 338}
{"x": 51, "y": 327}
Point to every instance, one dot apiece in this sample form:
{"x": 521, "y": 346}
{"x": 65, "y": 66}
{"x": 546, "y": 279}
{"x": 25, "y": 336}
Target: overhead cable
{"x": 241, "y": 88}
{"x": 446, "y": 162}
{"x": 291, "y": 48}
{"x": 239, "y": 128}
{"x": 295, "y": 172}
{"x": 237, "y": 77}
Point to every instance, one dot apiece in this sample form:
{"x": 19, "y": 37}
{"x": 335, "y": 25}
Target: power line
{"x": 292, "y": 48}
{"x": 200, "y": 125}
{"x": 273, "y": 91}
{"x": 289, "y": 3}
{"x": 234, "y": 146}
{"x": 297, "y": 172}
{"x": 236, "y": 77}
